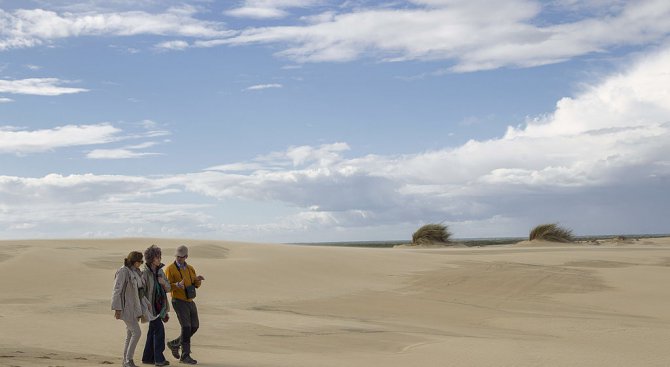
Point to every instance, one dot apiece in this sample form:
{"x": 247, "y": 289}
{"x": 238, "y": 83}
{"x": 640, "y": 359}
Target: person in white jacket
{"x": 128, "y": 284}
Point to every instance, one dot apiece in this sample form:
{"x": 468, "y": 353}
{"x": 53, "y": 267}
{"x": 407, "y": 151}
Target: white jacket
{"x": 125, "y": 296}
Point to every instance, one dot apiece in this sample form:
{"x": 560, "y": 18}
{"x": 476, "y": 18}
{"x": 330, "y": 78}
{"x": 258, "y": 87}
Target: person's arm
{"x": 145, "y": 280}
{"x": 166, "y": 286}
{"x": 197, "y": 279}
{"x": 119, "y": 281}
{"x": 171, "y": 272}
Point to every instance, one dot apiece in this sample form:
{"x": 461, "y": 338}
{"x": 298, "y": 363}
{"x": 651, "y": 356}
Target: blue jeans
{"x": 155, "y": 345}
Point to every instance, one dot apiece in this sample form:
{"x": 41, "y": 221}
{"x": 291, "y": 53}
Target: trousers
{"x": 155, "y": 345}
{"x": 133, "y": 334}
{"x": 187, "y": 313}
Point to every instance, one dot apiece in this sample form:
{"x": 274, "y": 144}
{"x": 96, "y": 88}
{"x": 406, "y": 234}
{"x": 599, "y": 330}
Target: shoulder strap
{"x": 187, "y": 270}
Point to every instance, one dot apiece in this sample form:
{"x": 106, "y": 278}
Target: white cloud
{"x": 18, "y": 141}
{"x": 73, "y": 189}
{"x": 22, "y": 226}
{"x": 263, "y": 9}
{"x": 32, "y": 27}
{"x": 256, "y": 12}
{"x": 6, "y": 100}
{"x": 177, "y": 45}
{"x": 602, "y": 153}
{"x": 127, "y": 152}
{"x": 264, "y": 86}
{"x": 117, "y": 154}
{"x": 38, "y": 86}
{"x": 105, "y": 220}
{"x": 470, "y": 34}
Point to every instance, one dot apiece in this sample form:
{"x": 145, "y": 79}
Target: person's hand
{"x": 200, "y": 277}
{"x": 166, "y": 318}
{"x": 180, "y": 284}
{"x": 117, "y": 314}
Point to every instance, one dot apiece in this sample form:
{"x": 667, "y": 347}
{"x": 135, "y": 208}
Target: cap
{"x": 181, "y": 251}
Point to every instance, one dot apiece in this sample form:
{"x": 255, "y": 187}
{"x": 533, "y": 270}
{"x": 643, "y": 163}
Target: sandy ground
{"x": 530, "y": 304}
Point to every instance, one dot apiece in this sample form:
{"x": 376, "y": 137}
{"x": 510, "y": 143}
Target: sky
{"x": 332, "y": 120}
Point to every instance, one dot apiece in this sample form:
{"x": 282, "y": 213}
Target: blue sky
{"x": 317, "y": 120}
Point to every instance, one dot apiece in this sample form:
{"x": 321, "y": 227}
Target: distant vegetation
{"x": 551, "y": 232}
{"x": 431, "y": 233}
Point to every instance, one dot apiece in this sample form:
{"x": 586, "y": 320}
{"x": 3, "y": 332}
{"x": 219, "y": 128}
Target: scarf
{"x": 160, "y": 297}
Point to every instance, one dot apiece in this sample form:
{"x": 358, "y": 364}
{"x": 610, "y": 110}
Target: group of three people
{"x": 140, "y": 294}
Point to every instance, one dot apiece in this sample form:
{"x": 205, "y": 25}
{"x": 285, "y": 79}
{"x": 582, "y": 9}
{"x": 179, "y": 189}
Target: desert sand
{"x": 530, "y": 304}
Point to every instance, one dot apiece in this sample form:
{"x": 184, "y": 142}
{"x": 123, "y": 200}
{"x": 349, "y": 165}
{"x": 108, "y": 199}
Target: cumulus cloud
{"x": 73, "y": 189}
{"x": 38, "y": 86}
{"x": 32, "y": 27}
{"x": 88, "y": 205}
{"x": 470, "y": 34}
{"x": 105, "y": 220}
{"x": 263, "y": 9}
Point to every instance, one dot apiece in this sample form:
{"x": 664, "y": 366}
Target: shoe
{"x": 129, "y": 364}
{"x": 188, "y": 360}
{"x": 164, "y": 363}
{"x": 147, "y": 362}
{"x": 175, "y": 350}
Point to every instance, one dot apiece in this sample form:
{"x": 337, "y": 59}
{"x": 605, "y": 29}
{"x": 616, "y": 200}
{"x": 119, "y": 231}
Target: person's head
{"x": 181, "y": 254}
{"x": 134, "y": 258}
{"x": 152, "y": 255}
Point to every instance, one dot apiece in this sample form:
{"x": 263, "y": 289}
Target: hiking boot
{"x": 174, "y": 349}
{"x": 188, "y": 360}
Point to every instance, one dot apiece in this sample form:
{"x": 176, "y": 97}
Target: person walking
{"x": 157, "y": 286}
{"x": 183, "y": 282}
{"x": 126, "y": 303}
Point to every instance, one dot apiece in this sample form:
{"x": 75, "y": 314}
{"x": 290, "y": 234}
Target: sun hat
{"x": 181, "y": 251}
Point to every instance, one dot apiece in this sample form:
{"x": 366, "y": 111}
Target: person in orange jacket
{"x": 183, "y": 281}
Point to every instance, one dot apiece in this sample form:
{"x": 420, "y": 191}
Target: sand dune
{"x": 281, "y": 305}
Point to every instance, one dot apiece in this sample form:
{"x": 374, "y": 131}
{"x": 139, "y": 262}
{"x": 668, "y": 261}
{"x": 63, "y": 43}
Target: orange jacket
{"x": 176, "y": 275}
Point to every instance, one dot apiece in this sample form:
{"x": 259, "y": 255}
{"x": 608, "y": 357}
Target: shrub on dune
{"x": 431, "y": 233}
{"x": 551, "y": 232}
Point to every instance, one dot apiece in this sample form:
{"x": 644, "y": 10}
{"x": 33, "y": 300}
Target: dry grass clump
{"x": 431, "y": 233}
{"x": 551, "y": 232}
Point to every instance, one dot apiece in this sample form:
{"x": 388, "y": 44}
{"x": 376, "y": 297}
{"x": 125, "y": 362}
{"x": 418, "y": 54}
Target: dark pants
{"x": 155, "y": 345}
{"x": 187, "y": 313}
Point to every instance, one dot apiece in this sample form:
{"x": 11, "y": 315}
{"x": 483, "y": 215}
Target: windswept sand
{"x": 528, "y": 304}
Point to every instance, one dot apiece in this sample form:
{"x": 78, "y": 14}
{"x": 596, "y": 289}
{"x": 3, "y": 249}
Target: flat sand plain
{"x": 530, "y": 304}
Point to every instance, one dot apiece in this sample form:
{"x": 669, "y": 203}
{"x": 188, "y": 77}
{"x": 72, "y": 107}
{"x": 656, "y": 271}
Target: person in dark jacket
{"x": 156, "y": 288}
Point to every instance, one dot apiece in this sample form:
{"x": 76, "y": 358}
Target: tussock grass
{"x": 551, "y": 232}
{"x": 431, "y": 233}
